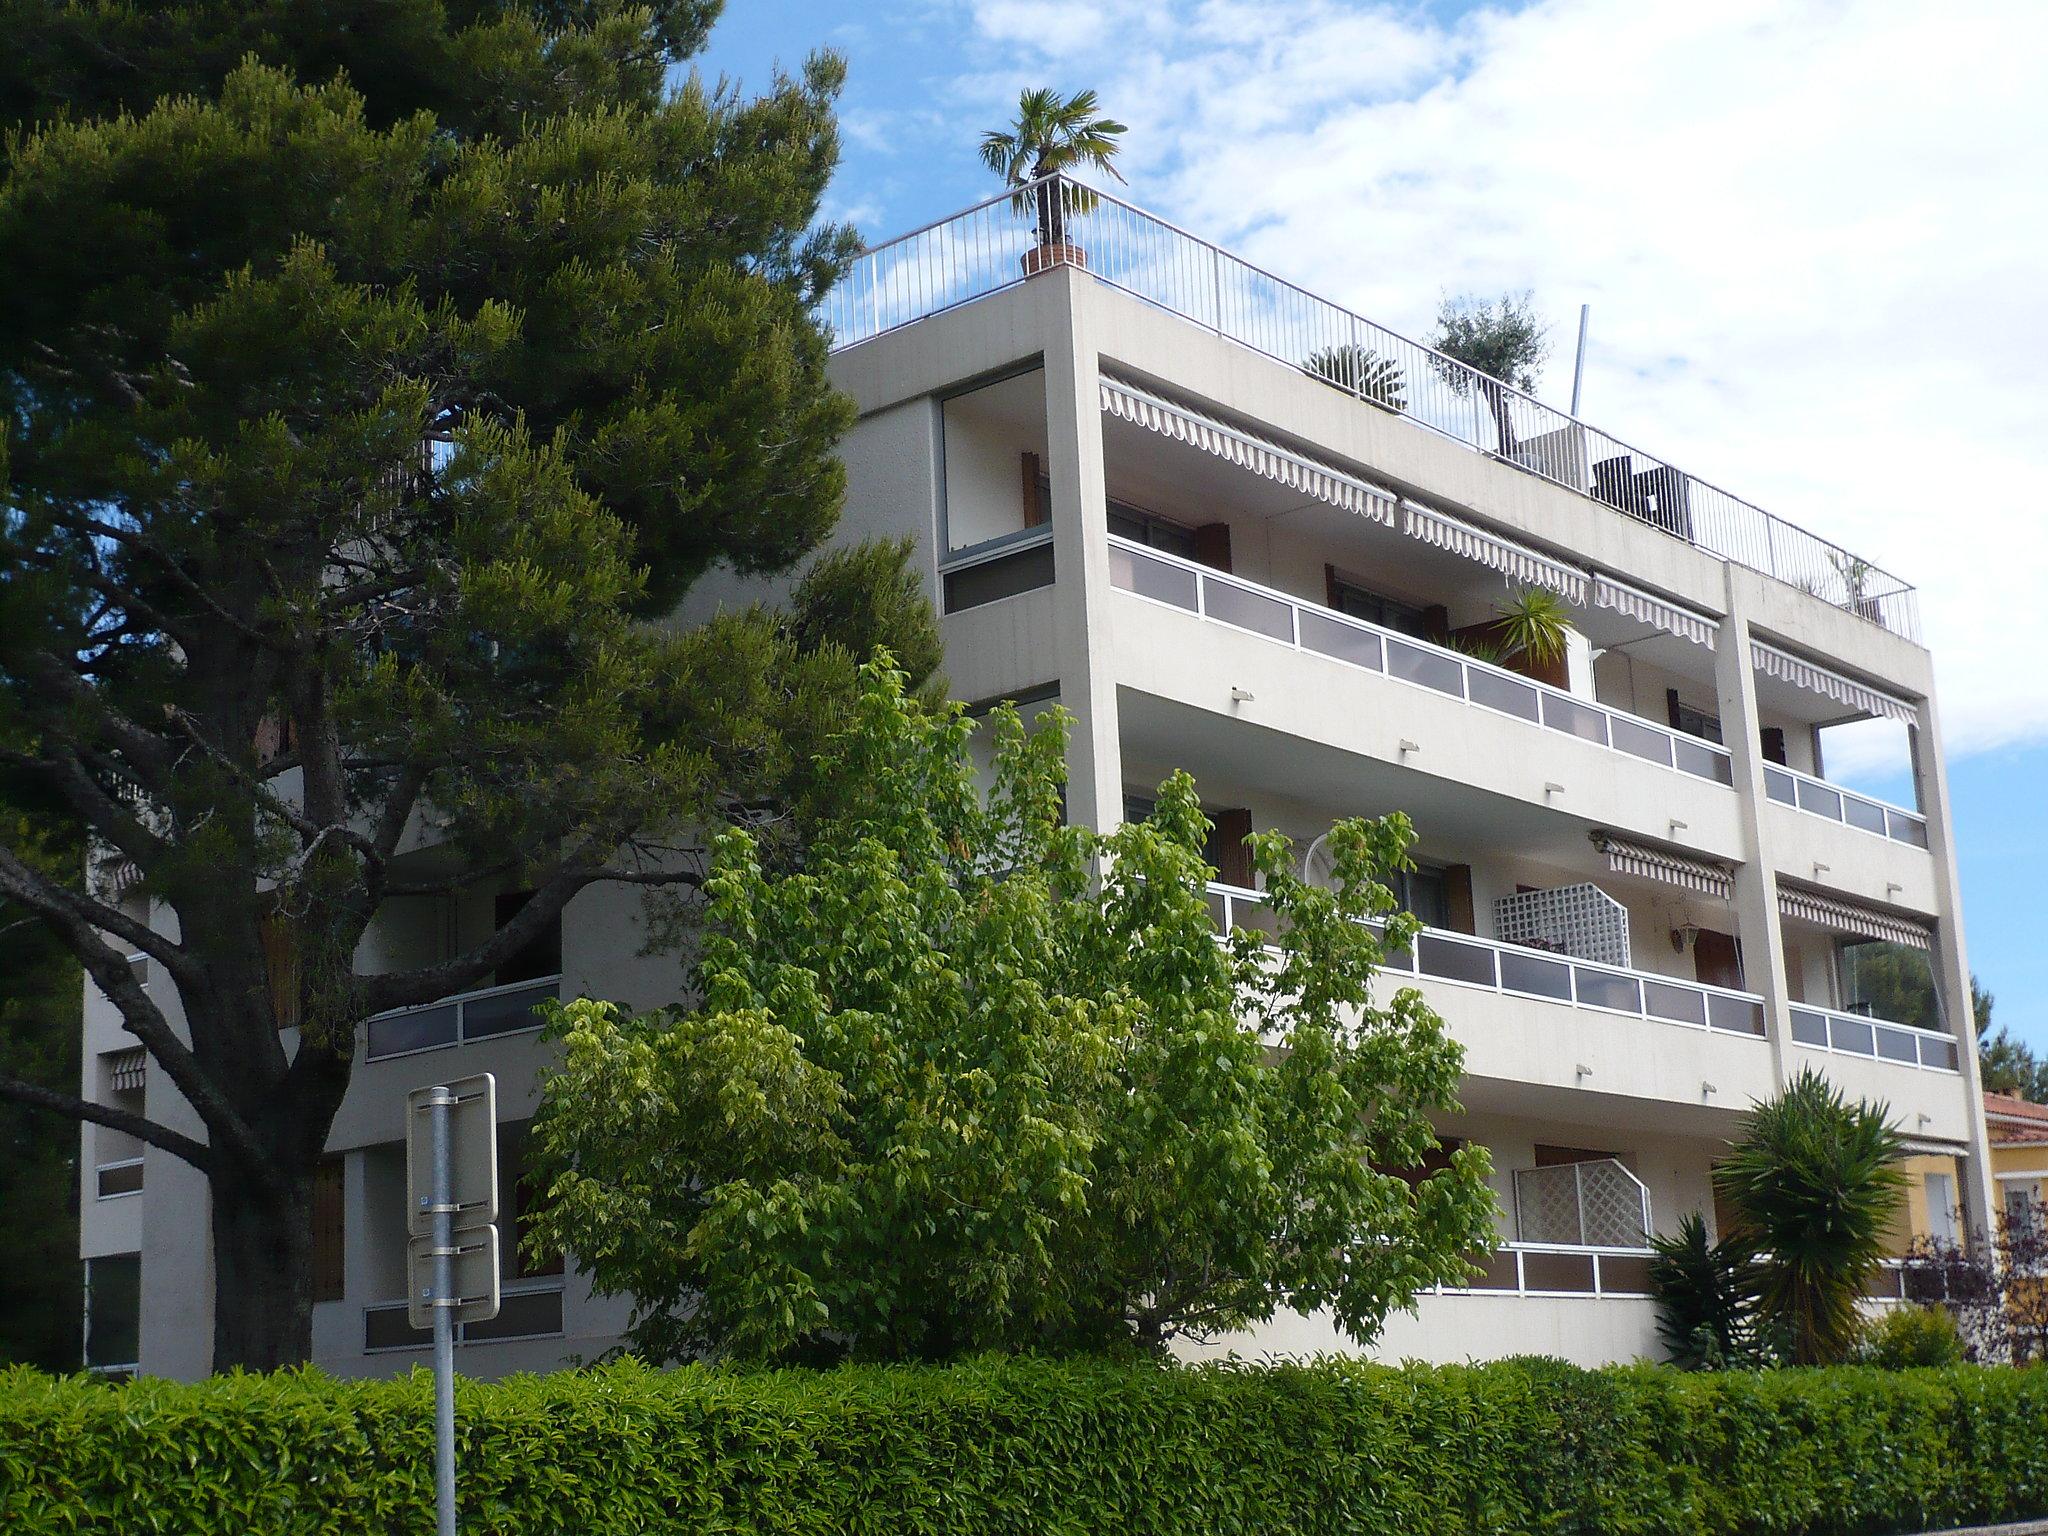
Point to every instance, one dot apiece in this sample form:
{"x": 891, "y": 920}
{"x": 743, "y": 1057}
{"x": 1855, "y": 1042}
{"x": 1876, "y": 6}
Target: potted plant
{"x": 1051, "y": 136}
{"x": 1361, "y": 371}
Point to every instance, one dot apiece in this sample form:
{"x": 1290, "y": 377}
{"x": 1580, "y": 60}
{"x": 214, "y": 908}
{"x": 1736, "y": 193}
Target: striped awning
{"x": 1667, "y": 616}
{"x": 1627, "y": 857}
{"x": 1503, "y": 554}
{"x": 125, "y": 1069}
{"x": 1853, "y": 917}
{"x": 1296, "y": 471}
{"x": 1815, "y": 678}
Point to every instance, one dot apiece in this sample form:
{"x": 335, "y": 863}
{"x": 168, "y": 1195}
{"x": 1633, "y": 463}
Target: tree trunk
{"x": 262, "y": 1274}
{"x": 1497, "y": 402}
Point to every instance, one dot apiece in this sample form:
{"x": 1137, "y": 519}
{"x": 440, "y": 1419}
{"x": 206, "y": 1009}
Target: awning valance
{"x": 125, "y": 1069}
{"x": 1667, "y": 616}
{"x": 1815, "y": 678}
{"x": 1626, "y": 857}
{"x": 1503, "y": 554}
{"x": 1853, "y": 917}
{"x": 1297, "y": 471}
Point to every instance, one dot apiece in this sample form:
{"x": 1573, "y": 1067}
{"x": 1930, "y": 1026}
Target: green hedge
{"x": 1039, "y": 1447}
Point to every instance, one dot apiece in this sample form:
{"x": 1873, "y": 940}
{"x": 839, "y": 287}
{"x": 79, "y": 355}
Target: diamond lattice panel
{"x": 1611, "y": 1206}
{"x": 1547, "y": 1205}
{"x": 1578, "y": 920}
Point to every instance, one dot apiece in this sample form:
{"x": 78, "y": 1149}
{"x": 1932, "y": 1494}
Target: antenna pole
{"x": 1579, "y": 367}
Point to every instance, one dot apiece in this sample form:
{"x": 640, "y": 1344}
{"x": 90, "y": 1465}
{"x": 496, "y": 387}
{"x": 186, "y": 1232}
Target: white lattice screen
{"x": 1598, "y": 1204}
{"x": 1582, "y": 921}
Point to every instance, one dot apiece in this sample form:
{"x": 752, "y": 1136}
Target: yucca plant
{"x": 1052, "y": 135}
{"x": 1815, "y": 1183}
{"x": 1706, "y": 1298}
{"x": 1534, "y": 622}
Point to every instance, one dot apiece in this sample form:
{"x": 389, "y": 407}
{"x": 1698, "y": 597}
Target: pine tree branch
{"x": 197, "y": 1153}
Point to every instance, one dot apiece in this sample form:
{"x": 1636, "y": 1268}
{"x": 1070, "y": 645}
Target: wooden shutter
{"x": 1036, "y": 511}
{"x": 1436, "y": 623}
{"x": 329, "y": 1231}
{"x": 1671, "y": 709}
{"x": 1458, "y": 910}
{"x": 1717, "y": 959}
{"x": 1212, "y": 545}
{"x": 1225, "y": 848}
{"x": 1330, "y": 587}
{"x": 1773, "y": 744}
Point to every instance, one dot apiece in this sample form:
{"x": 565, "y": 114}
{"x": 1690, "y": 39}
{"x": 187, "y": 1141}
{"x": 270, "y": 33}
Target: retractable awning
{"x": 1815, "y": 678}
{"x": 1627, "y": 857}
{"x": 1492, "y": 549}
{"x": 1853, "y": 917}
{"x": 125, "y": 1069}
{"x": 1296, "y": 471}
{"x": 1667, "y": 616}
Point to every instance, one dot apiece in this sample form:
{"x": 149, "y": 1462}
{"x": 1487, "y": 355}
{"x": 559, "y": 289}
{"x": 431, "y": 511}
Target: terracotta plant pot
{"x": 1041, "y": 257}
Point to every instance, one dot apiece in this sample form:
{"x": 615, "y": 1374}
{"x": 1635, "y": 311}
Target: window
{"x": 1426, "y": 891}
{"x": 1692, "y": 721}
{"x": 541, "y": 955}
{"x": 521, "y": 1194}
{"x": 1892, "y": 982}
{"x": 2021, "y": 1208}
{"x": 1375, "y": 608}
{"x": 1941, "y": 1207}
{"x": 1142, "y": 527}
{"x": 113, "y": 1312}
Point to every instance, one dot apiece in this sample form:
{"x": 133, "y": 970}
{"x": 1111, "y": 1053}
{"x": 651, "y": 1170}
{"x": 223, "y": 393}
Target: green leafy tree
{"x": 1053, "y": 135}
{"x": 2008, "y": 1065}
{"x": 1815, "y": 1185}
{"x": 947, "y": 1091}
{"x": 351, "y": 442}
{"x": 1505, "y": 340}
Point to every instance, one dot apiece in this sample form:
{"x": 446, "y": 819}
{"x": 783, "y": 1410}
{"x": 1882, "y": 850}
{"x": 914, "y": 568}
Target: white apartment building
{"x": 1235, "y": 529}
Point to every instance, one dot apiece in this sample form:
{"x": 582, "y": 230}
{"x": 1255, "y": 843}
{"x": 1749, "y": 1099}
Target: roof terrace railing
{"x": 1000, "y": 242}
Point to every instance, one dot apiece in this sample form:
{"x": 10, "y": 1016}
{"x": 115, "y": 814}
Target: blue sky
{"x": 1792, "y": 221}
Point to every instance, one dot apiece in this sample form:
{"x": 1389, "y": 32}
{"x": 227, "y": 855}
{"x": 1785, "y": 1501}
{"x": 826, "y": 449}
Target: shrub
{"x": 1025, "y": 1445}
{"x": 1706, "y": 1299}
{"x": 1906, "y": 1337}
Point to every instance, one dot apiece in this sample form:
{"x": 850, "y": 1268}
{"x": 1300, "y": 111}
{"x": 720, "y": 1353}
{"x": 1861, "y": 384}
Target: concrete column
{"x": 1080, "y": 523}
{"x": 1951, "y": 965}
{"x": 1756, "y": 881}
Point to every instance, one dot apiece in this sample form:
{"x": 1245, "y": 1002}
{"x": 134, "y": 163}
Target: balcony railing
{"x": 1465, "y": 961}
{"x": 1559, "y": 1269}
{"x": 990, "y": 246}
{"x": 480, "y": 1015}
{"x": 1194, "y": 588}
{"x": 1802, "y": 791}
{"x": 1849, "y": 1034}
{"x": 121, "y": 1177}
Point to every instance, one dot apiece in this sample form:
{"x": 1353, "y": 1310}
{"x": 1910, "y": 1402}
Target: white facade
{"x": 1200, "y": 634}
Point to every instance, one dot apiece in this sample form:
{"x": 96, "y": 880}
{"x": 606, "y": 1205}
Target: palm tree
{"x": 1052, "y": 136}
{"x": 1815, "y": 1183}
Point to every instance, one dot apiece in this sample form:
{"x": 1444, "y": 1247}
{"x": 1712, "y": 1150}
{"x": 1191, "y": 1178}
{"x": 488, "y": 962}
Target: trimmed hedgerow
{"x": 1040, "y": 1447}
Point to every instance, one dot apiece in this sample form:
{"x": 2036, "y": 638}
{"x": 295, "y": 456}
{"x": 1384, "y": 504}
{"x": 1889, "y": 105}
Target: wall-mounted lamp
{"x": 1685, "y": 936}
{"x": 1408, "y": 746}
{"x": 1820, "y": 869}
{"x": 1552, "y": 787}
{"x": 1583, "y": 1072}
{"x": 1678, "y": 826}
{"x": 1707, "y": 1089}
{"x": 1240, "y": 695}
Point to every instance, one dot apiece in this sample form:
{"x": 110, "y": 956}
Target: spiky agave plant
{"x": 1815, "y": 1183}
{"x": 1533, "y": 622}
{"x": 1053, "y": 134}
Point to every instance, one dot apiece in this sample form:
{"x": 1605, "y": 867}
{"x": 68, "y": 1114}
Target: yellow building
{"x": 2018, "y": 1134}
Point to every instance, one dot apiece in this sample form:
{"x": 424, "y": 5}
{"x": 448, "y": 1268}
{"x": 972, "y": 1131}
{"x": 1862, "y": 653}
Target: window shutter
{"x": 1458, "y": 898}
{"x": 1773, "y": 744}
{"x": 1212, "y": 545}
{"x": 1036, "y": 512}
{"x": 1226, "y": 849}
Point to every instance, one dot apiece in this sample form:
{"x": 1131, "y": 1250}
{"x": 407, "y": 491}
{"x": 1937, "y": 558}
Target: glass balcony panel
{"x": 1454, "y": 961}
{"x": 1809, "y": 1028}
{"x": 1254, "y": 915}
{"x": 1639, "y": 740}
{"x": 1861, "y": 813}
{"x": 506, "y": 1012}
{"x": 1503, "y": 694}
{"x": 1897, "y": 1045}
{"x": 1701, "y": 761}
{"x": 1219, "y": 911}
{"x": 1562, "y": 714}
{"x": 1938, "y": 1053}
{"x": 1625, "y": 1274}
{"x": 1682, "y": 1005}
{"x": 420, "y": 1030}
{"x": 1906, "y": 829}
{"x": 1227, "y": 601}
{"x": 1569, "y": 1272}
{"x": 1737, "y": 1015}
{"x": 1346, "y": 642}
{"x": 1432, "y": 669}
{"x": 990, "y": 581}
{"x": 521, "y": 1315}
{"x": 390, "y": 1328}
{"x": 1536, "y": 975}
{"x": 1820, "y": 800}
{"x": 1147, "y": 577}
{"x": 1851, "y": 1035}
{"x": 1498, "y": 1272}
{"x": 1608, "y": 989}
{"x": 1780, "y": 785}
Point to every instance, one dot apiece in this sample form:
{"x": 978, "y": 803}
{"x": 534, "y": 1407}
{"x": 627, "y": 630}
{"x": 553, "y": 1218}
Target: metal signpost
{"x": 451, "y": 1185}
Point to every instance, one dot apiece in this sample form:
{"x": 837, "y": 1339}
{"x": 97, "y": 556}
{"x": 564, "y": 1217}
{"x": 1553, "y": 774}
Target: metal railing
{"x": 1804, "y": 792}
{"x": 998, "y": 243}
{"x": 121, "y": 1177}
{"x": 479, "y": 1015}
{"x": 1852, "y": 1034}
{"x": 1195, "y": 588}
{"x": 1514, "y": 971}
{"x": 1559, "y": 1269}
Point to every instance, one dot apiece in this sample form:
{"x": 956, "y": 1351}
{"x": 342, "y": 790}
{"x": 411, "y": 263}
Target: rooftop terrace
{"x": 998, "y": 243}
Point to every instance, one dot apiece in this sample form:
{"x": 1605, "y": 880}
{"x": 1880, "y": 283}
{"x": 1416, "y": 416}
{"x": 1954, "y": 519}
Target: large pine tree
{"x": 369, "y": 375}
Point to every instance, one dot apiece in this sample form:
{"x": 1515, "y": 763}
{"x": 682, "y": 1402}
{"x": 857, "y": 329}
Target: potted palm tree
{"x": 1052, "y": 136}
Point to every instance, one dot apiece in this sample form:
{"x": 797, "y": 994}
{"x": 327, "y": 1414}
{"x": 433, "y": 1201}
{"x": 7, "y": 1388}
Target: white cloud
{"x": 1811, "y": 235}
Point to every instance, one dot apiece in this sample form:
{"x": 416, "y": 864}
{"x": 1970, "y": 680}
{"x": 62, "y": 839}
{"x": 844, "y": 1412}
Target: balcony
{"x": 1817, "y": 797}
{"x": 1561, "y": 1269}
{"x": 1230, "y": 600}
{"x": 982, "y": 250}
{"x": 1540, "y": 975}
{"x": 481, "y": 1015}
{"x": 1850, "y": 1034}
